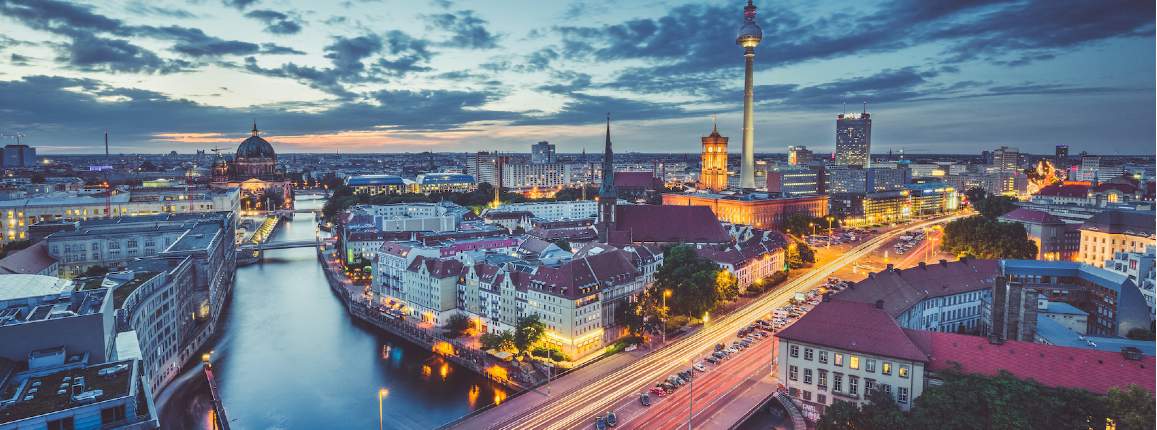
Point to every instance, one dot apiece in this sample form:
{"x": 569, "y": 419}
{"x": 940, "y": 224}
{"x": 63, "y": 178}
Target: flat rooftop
{"x": 16, "y": 287}
{"x": 199, "y": 237}
{"x": 58, "y": 391}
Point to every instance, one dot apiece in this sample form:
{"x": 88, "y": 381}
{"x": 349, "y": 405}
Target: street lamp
{"x": 830, "y": 219}
{"x": 666, "y": 294}
{"x": 813, "y": 226}
{"x": 382, "y": 393}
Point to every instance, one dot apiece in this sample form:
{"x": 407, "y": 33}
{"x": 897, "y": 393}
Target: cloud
{"x": 140, "y": 7}
{"x": 18, "y": 59}
{"x": 275, "y": 22}
{"x": 115, "y": 55}
{"x": 467, "y": 30}
{"x": 239, "y": 4}
{"x": 69, "y": 110}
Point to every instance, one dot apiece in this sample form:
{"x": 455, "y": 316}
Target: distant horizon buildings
{"x": 542, "y": 152}
{"x": 18, "y": 156}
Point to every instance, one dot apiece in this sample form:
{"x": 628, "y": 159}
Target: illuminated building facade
{"x": 758, "y": 210}
{"x": 854, "y": 139}
{"x": 932, "y": 198}
{"x": 797, "y": 155}
{"x": 793, "y": 181}
{"x": 713, "y": 163}
{"x": 1113, "y": 231}
{"x": 255, "y": 172}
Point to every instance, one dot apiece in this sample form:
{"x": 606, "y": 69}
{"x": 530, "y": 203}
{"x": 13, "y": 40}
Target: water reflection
{"x": 290, "y": 357}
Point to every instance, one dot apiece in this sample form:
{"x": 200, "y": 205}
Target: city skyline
{"x": 444, "y": 76}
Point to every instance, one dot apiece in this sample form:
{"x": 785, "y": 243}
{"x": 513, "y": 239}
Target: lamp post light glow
{"x": 666, "y": 294}
{"x": 382, "y": 393}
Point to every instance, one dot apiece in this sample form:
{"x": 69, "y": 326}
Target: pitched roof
{"x": 1136, "y": 223}
{"x": 854, "y": 326}
{"x": 1070, "y": 189}
{"x": 27, "y": 261}
{"x": 669, "y": 224}
{"x": 1050, "y": 365}
{"x": 902, "y": 289}
{"x": 585, "y": 275}
{"x": 437, "y": 267}
{"x": 645, "y": 180}
{"x": 1031, "y": 216}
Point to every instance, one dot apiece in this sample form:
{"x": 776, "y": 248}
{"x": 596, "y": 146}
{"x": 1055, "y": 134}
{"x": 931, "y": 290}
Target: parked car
{"x": 645, "y": 399}
{"x": 711, "y": 359}
{"x": 700, "y": 367}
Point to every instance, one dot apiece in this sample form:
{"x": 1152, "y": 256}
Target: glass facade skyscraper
{"x": 854, "y": 139}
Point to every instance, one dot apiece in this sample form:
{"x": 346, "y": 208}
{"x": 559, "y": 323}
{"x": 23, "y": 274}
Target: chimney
{"x": 879, "y": 304}
{"x": 889, "y": 267}
{"x": 923, "y": 266}
{"x": 944, "y": 263}
{"x": 995, "y": 339}
{"x": 827, "y": 297}
{"x": 871, "y": 275}
{"x": 1131, "y": 353}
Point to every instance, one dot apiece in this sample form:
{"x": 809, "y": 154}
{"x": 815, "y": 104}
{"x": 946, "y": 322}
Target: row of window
{"x": 853, "y": 361}
{"x": 853, "y": 387}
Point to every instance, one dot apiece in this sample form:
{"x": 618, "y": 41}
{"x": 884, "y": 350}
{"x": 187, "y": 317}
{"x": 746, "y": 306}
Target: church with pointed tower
{"x": 254, "y": 170}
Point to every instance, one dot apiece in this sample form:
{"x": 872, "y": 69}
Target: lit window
{"x": 839, "y": 359}
{"x": 903, "y": 371}
{"x": 854, "y": 362}
{"x": 886, "y": 368}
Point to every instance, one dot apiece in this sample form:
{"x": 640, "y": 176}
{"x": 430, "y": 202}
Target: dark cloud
{"x": 18, "y": 59}
{"x": 692, "y": 43}
{"x": 89, "y": 49}
{"x": 239, "y": 4}
{"x": 67, "y": 110}
{"x": 467, "y": 30}
{"x": 584, "y": 109}
{"x": 93, "y": 53}
{"x": 275, "y": 49}
{"x": 347, "y": 54}
{"x": 275, "y": 22}
{"x": 142, "y": 8}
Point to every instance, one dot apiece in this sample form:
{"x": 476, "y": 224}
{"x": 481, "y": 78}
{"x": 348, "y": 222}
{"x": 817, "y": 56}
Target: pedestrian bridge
{"x": 278, "y": 245}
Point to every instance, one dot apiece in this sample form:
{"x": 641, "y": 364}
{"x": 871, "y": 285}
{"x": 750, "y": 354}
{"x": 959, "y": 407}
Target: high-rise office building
{"x": 19, "y": 156}
{"x": 542, "y": 153}
{"x": 854, "y": 139}
{"x": 1061, "y": 160}
{"x": 797, "y": 155}
{"x": 713, "y": 164}
{"x": 1006, "y": 159}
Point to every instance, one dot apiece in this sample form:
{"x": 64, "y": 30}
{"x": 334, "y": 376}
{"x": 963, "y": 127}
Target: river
{"x": 289, "y": 357}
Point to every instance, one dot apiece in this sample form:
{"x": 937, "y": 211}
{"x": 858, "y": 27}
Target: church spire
{"x": 254, "y": 127}
{"x": 608, "y": 186}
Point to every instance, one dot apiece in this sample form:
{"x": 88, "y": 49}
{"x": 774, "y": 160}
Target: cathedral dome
{"x": 255, "y": 147}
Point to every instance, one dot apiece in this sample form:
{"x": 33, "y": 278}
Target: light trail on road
{"x": 580, "y": 406}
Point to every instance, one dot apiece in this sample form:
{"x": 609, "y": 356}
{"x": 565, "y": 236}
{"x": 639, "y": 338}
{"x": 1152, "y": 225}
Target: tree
{"x": 14, "y": 246}
{"x": 880, "y": 412}
{"x": 563, "y": 244}
{"x": 990, "y": 206}
{"x": 1131, "y": 407}
{"x": 458, "y": 325}
{"x": 503, "y": 341}
{"x": 982, "y": 237}
{"x": 527, "y": 331}
{"x": 803, "y": 224}
{"x": 690, "y": 279}
{"x": 800, "y": 254}
{"x": 726, "y": 286}
{"x": 95, "y": 271}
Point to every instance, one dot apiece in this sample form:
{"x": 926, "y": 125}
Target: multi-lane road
{"x": 577, "y": 408}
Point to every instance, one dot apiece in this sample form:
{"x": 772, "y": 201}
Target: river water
{"x": 290, "y": 357}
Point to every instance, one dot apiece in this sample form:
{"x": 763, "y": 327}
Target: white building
{"x": 554, "y": 211}
{"x": 821, "y": 361}
{"x": 19, "y": 214}
{"x": 1140, "y": 267}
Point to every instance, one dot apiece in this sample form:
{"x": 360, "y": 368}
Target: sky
{"x": 454, "y": 75}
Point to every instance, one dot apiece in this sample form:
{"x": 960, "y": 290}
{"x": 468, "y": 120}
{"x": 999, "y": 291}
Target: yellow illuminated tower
{"x": 749, "y": 36}
{"x": 713, "y": 170}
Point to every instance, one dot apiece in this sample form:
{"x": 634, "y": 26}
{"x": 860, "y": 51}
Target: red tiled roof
{"x": 644, "y": 180}
{"x": 27, "y": 261}
{"x": 592, "y": 271}
{"x": 853, "y": 326}
{"x": 1032, "y": 216}
{"x": 1065, "y": 190}
{"x": 1123, "y": 188}
{"x": 437, "y": 267}
{"x": 670, "y": 224}
{"x": 1054, "y": 366}
{"x": 902, "y": 289}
